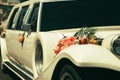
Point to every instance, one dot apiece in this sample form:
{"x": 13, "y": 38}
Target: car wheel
{"x": 68, "y": 73}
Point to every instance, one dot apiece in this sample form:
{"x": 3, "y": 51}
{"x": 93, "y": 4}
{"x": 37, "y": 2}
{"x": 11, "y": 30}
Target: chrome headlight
{"x": 112, "y": 43}
{"x": 115, "y": 45}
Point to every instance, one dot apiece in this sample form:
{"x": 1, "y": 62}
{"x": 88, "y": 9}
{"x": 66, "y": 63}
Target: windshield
{"x": 75, "y": 14}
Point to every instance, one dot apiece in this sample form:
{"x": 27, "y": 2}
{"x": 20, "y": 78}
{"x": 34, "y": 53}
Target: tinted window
{"x": 11, "y": 21}
{"x": 21, "y": 17}
{"x": 72, "y": 14}
{"x": 60, "y": 15}
{"x": 33, "y": 18}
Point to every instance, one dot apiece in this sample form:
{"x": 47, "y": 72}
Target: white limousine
{"x": 44, "y": 40}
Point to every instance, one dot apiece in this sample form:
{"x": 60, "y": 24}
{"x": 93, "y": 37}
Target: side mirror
{"x": 27, "y": 27}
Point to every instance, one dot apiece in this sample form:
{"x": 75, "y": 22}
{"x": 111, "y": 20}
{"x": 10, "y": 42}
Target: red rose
{"x": 65, "y": 42}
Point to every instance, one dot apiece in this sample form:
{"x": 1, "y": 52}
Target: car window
{"x": 11, "y": 21}
{"x": 21, "y": 17}
{"x": 76, "y": 14}
{"x": 34, "y": 17}
{"x": 60, "y": 15}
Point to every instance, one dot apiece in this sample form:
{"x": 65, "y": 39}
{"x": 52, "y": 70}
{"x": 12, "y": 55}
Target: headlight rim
{"x": 113, "y": 43}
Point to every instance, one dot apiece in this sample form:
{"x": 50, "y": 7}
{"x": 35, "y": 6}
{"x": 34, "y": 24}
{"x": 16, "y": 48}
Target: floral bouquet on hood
{"x": 83, "y": 36}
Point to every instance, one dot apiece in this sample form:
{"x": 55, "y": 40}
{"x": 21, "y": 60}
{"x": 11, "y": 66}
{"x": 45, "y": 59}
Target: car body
{"x": 34, "y": 29}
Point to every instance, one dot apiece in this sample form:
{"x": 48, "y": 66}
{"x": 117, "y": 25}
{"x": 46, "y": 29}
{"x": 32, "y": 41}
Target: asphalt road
{"x": 7, "y": 75}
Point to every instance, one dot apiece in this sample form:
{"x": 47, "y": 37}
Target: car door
{"x": 14, "y": 47}
{"x": 26, "y": 57}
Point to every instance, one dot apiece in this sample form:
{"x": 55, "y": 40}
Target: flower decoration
{"x": 21, "y": 37}
{"x": 83, "y": 36}
{"x": 65, "y": 42}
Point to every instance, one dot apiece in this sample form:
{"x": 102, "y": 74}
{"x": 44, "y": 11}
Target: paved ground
{"x": 8, "y": 75}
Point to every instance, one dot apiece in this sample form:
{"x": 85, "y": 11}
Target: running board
{"x": 18, "y": 72}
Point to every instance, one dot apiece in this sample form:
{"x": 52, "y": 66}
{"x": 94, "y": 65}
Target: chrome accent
{"x": 39, "y": 58}
{"x": 112, "y": 45}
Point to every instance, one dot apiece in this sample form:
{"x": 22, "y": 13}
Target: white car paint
{"x": 87, "y": 55}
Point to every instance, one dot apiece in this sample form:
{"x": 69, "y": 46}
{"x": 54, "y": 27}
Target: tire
{"x": 68, "y": 73}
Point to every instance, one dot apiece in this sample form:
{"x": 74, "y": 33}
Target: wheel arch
{"x": 59, "y": 66}
{"x": 86, "y": 73}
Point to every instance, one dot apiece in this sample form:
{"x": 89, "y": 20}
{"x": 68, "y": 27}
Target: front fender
{"x": 83, "y": 56}
{"x": 91, "y": 56}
